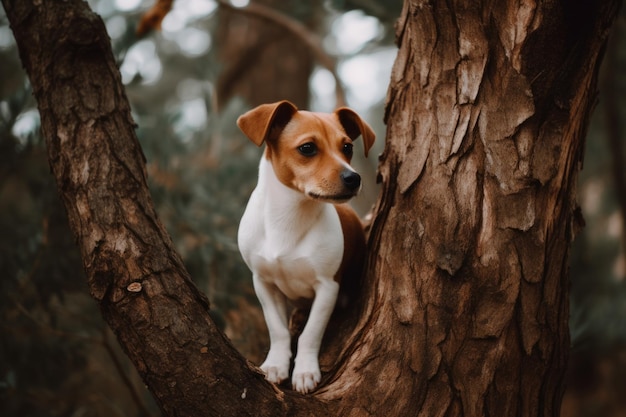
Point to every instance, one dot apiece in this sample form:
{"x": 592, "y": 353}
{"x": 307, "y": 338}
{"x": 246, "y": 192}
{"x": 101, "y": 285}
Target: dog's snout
{"x": 351, "y": 180}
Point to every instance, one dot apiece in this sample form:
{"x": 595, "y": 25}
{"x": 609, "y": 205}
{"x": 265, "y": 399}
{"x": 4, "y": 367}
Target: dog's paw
{"x": 306, "y": 376}
{"x": 274, "y": 372}
{"x": 305, "y": 382}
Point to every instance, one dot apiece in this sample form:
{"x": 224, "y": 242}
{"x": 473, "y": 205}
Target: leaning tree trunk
{"x": 144, "y": 292}
{"x": 464, "y": 310}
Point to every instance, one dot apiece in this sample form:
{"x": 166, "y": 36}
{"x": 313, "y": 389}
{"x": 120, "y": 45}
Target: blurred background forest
{"x": 187, "y": 84}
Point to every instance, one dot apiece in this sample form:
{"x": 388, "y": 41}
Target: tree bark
{"x": 464, "y": 309}
{"x": 144, "y": 292}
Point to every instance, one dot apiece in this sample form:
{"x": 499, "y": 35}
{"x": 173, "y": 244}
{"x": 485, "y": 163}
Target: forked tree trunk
{"x": 464, "y": 310}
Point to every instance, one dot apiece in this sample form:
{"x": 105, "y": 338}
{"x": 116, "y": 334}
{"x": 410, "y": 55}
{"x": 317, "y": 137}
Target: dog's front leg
{"x": 306, "y": 372}
{"x": 274, "y": 304}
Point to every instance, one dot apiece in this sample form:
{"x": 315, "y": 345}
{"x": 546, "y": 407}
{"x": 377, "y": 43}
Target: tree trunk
{"x": 464, "y": 309}
{"x": 263, "y": 62}
{"x": 145, "y": 294}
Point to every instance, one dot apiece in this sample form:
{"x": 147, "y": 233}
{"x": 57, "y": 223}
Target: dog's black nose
{"x": 351, "y": 179}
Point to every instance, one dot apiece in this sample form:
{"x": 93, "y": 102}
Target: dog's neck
{"x": 286, "y": 210}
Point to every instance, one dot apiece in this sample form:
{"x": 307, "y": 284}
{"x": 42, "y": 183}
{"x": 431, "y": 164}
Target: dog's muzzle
{"x": 350, "y": 179}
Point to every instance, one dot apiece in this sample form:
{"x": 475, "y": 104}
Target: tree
{"x": 464, "y": 305}
{"x": 256, "y": 67}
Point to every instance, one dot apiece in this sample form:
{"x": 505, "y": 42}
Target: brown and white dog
{"x": 295, "y": 235}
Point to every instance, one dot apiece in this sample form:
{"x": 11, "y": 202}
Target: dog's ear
{"x": 355, "y": 126}
{"x": 257, "y": 124}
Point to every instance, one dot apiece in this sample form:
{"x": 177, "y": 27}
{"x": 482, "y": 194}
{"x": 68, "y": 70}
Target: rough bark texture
{"x": 145, "y": 295}
{"x": 465, "y": 305}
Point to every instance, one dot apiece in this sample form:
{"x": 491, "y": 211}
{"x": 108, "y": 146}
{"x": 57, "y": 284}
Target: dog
{"x": 296, "y": 235}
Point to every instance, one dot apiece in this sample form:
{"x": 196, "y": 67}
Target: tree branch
{"x": 309, "y": 39}
{"x": 144, "y": 292}
{"x": 119, "y": 368}
{"x": 614, "y": 128}
{"x": 152, "y": 20}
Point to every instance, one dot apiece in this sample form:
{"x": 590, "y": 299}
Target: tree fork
{"x": 465, "y": 303}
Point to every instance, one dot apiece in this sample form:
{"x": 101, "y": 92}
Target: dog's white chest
{"x": 294, "y": 277}
{"x": 295, "y": 259}
{"x": 289, "y": 242}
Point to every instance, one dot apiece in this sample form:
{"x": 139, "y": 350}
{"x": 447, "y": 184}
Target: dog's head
{"x": 310, "y": 152}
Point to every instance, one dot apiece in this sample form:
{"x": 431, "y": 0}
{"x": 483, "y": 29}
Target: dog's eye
{"x": 347, "y": 149}
{"x": 308, "y": 149}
